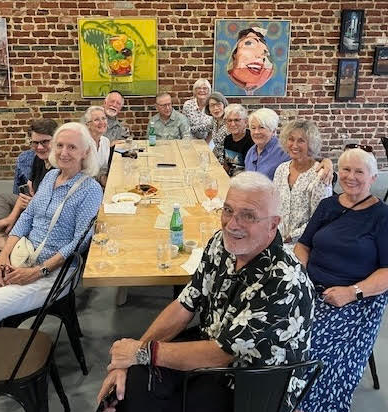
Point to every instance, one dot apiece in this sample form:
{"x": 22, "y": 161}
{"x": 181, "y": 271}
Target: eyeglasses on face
{"x": 212, "y": 105}
{"x": 36, "y": 143}
{"x": 364, "y": 147}
{"x": 98, "y": 119}
{"x": 164, "y": 105}
{"x": 246, "y": 218}
{"x": 233, "y": 120}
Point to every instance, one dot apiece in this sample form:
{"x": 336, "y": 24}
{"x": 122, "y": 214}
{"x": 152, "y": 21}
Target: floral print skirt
{"x": 343, "y": 339}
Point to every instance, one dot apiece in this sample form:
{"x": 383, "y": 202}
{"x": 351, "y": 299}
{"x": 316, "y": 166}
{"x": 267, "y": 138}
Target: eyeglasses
{"x": 99, "y": 119}
{"x": 36, "y": 143}
{"x": 233, "y": 120}
{"x": 204, "y": 88}
{"x": 364, "y": 147}
{"x": 164, "y": 105}
{"x": 246, "y": 218}
{"x": 218, "y": 104}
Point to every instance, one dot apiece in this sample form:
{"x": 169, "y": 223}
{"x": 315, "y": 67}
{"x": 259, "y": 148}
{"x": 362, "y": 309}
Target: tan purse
{"x": 23, "y": 254}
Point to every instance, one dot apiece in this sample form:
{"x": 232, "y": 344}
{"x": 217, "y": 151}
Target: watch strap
{"x": 359, "y": 293}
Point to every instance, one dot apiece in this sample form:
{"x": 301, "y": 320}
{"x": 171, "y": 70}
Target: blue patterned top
{"x": 74, "y": 219}
{"x": 269, "y": 159}
{"x": 22, "y": 169}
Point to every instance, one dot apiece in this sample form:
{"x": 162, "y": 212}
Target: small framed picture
{"x": 347, "y": 77}
{"x": 352, "y": 22}
{"x": 380, "y": 61}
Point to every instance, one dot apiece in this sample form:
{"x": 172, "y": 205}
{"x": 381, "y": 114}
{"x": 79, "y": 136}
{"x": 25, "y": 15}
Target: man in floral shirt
{"x": 255, "y": 303}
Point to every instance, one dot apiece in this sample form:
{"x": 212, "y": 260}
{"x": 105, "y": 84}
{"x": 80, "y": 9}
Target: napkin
{"x": 167, "y": 209}
{"x": 210, "y": 205}
{"x": 162, "y": 222}
{"x": 124, "y": 208}
{"x": 191, "y": 264}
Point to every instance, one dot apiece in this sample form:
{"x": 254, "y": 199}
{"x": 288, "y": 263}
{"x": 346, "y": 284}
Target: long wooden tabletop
{"x": 136, "y": 262}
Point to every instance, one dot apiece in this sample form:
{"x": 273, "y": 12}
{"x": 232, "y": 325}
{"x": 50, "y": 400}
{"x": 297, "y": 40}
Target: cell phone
{"x": 24, "y": 189}
{"x": 166, "y": 165}
{"x": 109, "y": 398}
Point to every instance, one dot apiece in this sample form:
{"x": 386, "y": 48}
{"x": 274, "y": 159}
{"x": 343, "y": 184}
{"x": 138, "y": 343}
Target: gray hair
{"x": 90, "y": 163}
{"x": 87, "y": 117}
{"x": 236, "y": 108}
{"x": 162, "y": 94}
{"x": 202, "y": 83}
{"x": 268, "y": 118}
{"x": 367, "y": 158}
{"x": 257, "y": 182}
{"x": 310, "y": 131}
{"x": 218, "y": 97}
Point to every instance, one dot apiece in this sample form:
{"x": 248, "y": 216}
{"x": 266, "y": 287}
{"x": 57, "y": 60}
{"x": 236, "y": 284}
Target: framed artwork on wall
{"x": 380, "y": 61}
{"x": 5, "y": 78}
{"x": 118, "y": 54}
{"x": 352, "y": 22}
{"x": 251, "y": 57}
{"x": 347, "y": 77}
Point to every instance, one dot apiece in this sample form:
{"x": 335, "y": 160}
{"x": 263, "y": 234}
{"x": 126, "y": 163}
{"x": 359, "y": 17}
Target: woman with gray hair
{"x": 96, "y": 121}
{"x": 345, "y": 250}
{"x": 73, "y": 153}
{"x": 297, "y": 180}
{"x": 238, "y": 142}
{"x": 194, "y": 110}
{"x": 215, "y": 106}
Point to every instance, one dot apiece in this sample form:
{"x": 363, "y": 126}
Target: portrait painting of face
{"x": 251, "y": 57}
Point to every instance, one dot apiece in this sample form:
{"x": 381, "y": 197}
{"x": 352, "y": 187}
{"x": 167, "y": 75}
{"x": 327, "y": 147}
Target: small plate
{"x": 126, "y": 197}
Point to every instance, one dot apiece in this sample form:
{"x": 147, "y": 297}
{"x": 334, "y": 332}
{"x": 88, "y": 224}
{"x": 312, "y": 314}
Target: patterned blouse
{"x": 261, "y": 313}
{"x": 200, "y": 123}
{"x": 299, "y": 202}
{"x": 218, "y": 136}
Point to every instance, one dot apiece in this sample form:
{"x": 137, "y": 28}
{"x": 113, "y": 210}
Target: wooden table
{"x": 136, "y": 263}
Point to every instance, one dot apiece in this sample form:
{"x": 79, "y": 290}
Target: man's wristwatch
{"x": 143, "y": 355}
{"x": 359, "y": 294}
{"x": 44, "y": 272}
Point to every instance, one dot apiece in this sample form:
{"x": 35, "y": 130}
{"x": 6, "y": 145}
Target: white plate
{"x": 126, "y": 197}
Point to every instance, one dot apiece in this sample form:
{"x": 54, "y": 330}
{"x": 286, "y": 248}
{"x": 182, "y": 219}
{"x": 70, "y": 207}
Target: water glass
{"x": 206, "y": 230}
{"x": 186, "y": 140}
{"x": 163, "y": 254}
{"x": 204, "y": 161}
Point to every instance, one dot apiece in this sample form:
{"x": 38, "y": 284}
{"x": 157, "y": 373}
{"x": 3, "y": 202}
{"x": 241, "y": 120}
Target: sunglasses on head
{"x": 365, "y": 147}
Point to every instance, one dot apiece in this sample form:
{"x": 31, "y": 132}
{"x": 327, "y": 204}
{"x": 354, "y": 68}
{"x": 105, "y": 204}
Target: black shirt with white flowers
{"x": 262, "y": 313}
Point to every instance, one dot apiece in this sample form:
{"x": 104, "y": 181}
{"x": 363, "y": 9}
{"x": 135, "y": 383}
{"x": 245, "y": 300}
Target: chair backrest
{"x": 384, "y": 142}
{"x": 62, "y": 281}
{"x": 265, "y": 389}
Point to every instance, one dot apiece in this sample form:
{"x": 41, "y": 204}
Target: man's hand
{"x": 24, "y": 200}
{"x": 22, "y": 276}
{"x": 116, "y": 377}
{"x": 123, "y": 353}
{"x": 325, "y": 171}
{"x": 339, "y": 295}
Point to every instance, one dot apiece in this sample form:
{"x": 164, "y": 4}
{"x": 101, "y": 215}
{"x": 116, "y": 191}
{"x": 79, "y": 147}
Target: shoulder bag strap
{"x": 56, "y": 215}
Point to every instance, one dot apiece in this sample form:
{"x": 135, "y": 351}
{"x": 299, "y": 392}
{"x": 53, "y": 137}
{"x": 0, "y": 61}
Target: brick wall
{"x": 43, "y": 48}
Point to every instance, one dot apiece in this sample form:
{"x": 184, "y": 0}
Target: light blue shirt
{"x": 174, "y": 128}
{"x": 269, "y": 159}
{"x": 77, "y": 212}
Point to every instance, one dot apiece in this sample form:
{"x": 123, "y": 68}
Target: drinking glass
{"x": 144, "y": 181}
{"x": 210, "y": 188}
{"x": 100, "y": 238}
{"x": 206, "y": 230}
{"x": 163, "y": 253}
{"x": 186, "y": 140}
{"x": 204, "y": 161}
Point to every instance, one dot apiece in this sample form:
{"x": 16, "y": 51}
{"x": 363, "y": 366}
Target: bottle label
{"x": 152, "y": 140}
{"x": 177, "y": 238}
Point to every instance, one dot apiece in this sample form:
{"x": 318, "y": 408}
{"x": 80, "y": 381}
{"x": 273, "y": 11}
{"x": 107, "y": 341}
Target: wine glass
{"x": 210, "y": 188}
{"x": 100, "y": 238}
{"x": 144, "y": 181}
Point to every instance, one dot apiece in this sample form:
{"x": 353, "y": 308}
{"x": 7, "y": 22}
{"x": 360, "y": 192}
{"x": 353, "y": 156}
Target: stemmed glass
{"x": 101, "y": 238}
{"x": 144, "y": 181}
{"x": 210, "y": 188}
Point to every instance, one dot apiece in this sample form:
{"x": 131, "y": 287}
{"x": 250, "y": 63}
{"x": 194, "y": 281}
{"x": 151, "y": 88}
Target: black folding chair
{"x": 27, "y": 355}
{"x": 261, "y": 389}
{"x": 384, "y": 142}
{"x": 64, "y": 309}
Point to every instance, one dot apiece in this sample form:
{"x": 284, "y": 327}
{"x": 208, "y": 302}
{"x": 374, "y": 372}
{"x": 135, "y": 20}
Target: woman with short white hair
{"x": 345, "y": 250}
{"x": 297, "y": 180}
{"x": 194, "y": 109}
{"x": 96, "y": 121}
{"x": 238, "y": 142}
{"x": 73, "y": 153}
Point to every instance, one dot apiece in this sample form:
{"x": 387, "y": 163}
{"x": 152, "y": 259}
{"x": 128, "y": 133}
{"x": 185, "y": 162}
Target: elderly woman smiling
{"x": 345, "y": 250}
{"x": 297, "y": 180}
{"x": 73, "y": 152}
{"x": 194, "y": 110}
{"x": 267, "y": 154}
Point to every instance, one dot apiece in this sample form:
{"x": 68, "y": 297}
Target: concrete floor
{"x": 102, "y": 323}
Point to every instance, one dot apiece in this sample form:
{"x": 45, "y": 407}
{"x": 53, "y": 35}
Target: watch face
{"x": 142, "y": 357}
{"x": 359, "y": 295}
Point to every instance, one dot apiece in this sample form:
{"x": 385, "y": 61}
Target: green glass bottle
{"x": 176, "y": 227}
{"x": 152, "y": 135}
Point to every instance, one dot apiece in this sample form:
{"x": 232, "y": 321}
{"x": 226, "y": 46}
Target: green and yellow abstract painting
{"x": 118, "y": 54}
